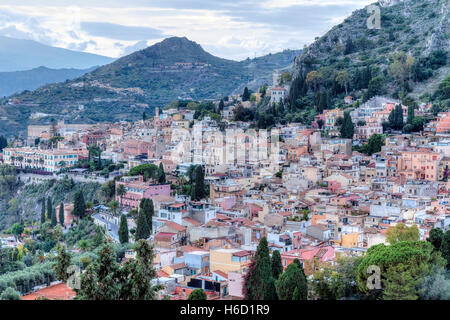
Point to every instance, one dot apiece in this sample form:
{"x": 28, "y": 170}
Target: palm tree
{"x": 121, "y": 191}
{"x": 113, "y": 205}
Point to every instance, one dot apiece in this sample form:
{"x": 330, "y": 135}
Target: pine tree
{"x": 197, "y": 294}
{"x": 162, "y": 177}
{"x": 142, "y": 228}
{"x": 277, "y": 267}
{"x": 123, "y": 229}
{"x": 43, "y": 211}
{"x": 61, "y": 214}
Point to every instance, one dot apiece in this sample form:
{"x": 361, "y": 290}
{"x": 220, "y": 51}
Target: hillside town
{"x": 312, "y": 194}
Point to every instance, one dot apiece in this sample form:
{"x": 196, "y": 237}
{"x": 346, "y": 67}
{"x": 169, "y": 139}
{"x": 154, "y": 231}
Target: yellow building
{"x": 348, "y": 240}
{"x": 227, "y": 260}
{"x": 47, "y": 160}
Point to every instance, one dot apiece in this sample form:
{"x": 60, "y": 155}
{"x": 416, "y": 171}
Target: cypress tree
{"x": 147, "y": 207}
{"x": 79, "y": 205}
{"x": 43, "y": 211}
{"x": 221, "y": 105}
{"x": 61, "y": 214}
{"x": 347, "y": 128}
{"x": 162, "y": 177}
{"x": 199, "y": 193}
{"x": 259, "y": 282}
{"x": 53, "y": 219}
{"x": 142, "y": 228}
{"x": 398, "y": 117}
{"x": 294, "y": 277}
{"x": 49, "y": 208}
{"x": 123, "y": 229}
{"x": 277, "y": 267}
{"x": 410, "y": 115}
{"x": 246, "y": 95}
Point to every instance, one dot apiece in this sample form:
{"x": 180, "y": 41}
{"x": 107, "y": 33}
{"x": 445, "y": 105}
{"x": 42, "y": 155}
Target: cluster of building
{"x": 309, "y": 194}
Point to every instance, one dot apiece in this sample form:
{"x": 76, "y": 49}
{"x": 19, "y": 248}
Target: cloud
{"x": 120, "y": 32}
{"x": 233, "y": 29}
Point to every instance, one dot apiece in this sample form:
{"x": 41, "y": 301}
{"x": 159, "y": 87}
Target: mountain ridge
{"x": 175, "y": 68}
{"x": 15, "y": 55}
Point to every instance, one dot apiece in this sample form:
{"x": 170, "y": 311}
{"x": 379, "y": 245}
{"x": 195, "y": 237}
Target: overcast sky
{"x": 233, "y": 29}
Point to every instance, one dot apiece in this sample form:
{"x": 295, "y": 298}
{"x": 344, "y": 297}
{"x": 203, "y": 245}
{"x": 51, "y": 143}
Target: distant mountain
{"x": 175, "y": 68}
{"x": 21, "y": 55}
{"x": 18, "y": 81}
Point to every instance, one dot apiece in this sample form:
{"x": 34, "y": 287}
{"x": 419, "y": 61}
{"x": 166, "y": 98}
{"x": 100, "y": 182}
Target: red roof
{"x": 56, "y": 292}
{"x": 175, "y": 226}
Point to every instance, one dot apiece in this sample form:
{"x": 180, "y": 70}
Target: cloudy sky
{"x": 234, "y": 29}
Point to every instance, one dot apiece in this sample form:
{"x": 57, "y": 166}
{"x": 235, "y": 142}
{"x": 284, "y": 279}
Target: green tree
{"x": 137, "y": 274}
{"x": 61, "y": 214}
{"x": 343, "y": 79}
{"x": 142, "y": 228}
{"x": 199, "y": 185}
{"x": 401, "y": 232}
{"x": 49, "y": 208}
{"x": 277, "y": 267}
{"x": 292, "y": 278}
{"x": 100, "y": 281}
{"x": 259, "y": 282}
{"x": 121, "y": 191}
{"x": 123, "y": 229}
{"x": 410, "y": 118}
{"x": 113, "y": 205}
{"x": 347, "y": 128}
{"x": 62, "y": 263}
{"x": 435, "y": 238}
{"x": 79, "y": 205}
{"x": 197, "y": 294}
{"x": 54, "y": 220}
{"x": 3, "y": 143}
{"x": 402, "y": 265}
{"x": 147, "y": 207}
{"x": 246, "y": 95}
{"x": 376, "y": 141}
{"x": 445, "y": 248}
{"x": 43, "y": 211}
{"x": 10, "y": 294}
{"x": 162, "y": 176}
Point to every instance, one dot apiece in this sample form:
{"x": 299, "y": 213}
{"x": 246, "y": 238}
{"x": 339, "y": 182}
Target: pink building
{"x": 236, "y": 284}
{"x": 136, "y": 147}
{"x": 137, "y": 189}
{"x": 420, "y": 164}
